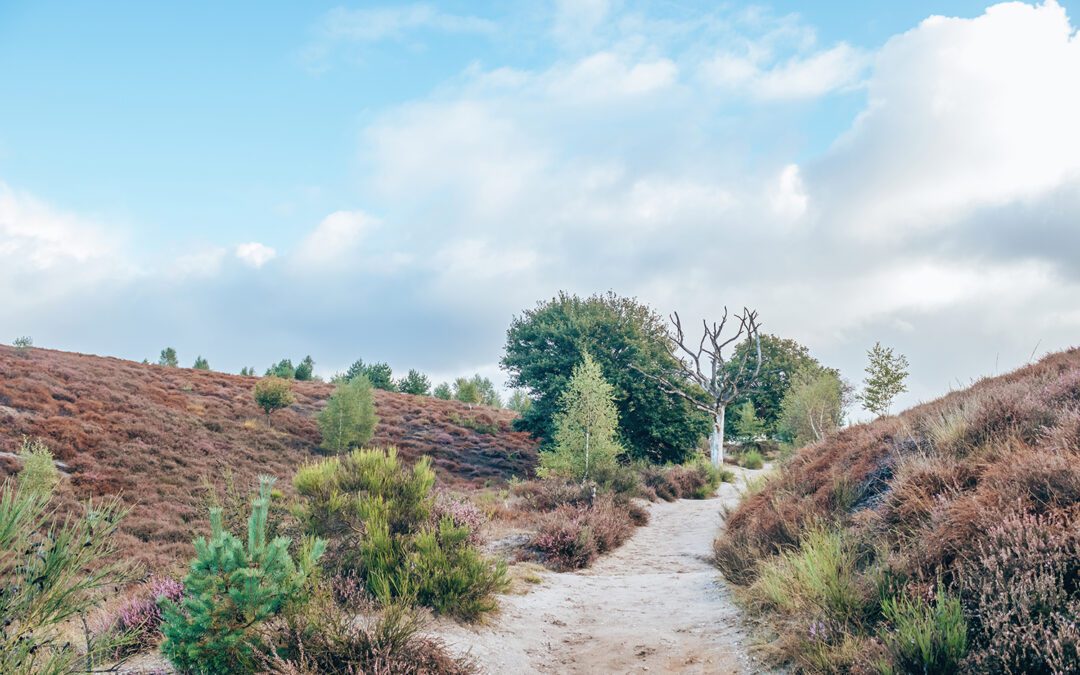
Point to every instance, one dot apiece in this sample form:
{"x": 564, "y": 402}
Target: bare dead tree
{"x": 719, "y": 381}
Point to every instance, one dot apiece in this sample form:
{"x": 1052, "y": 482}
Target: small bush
{"x": 233, "y": 590}
{"x": 24, "y": 342}
{"x": 571, "y": 537}
{"x": 378, "y": 516}
{"x": 564, "y": 540}
{"x": 698, "y": 479}
{"x": 272, "y": 393}
{"x": 140, "y": 616}
{"x": 461, "y": 512}
{"x": 925, "y": 638}
{"x": 39, "y": 474}
{"x": 752, "y": 459}
{"x": 330, "y": 639}
{"x": 550, "y": 494}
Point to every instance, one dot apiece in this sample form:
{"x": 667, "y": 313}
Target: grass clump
{"x": 924, "y": 637}
{"x": 377, "y": 516}
{"x": 751, "y": 459}
{"x": 39, "y": 474}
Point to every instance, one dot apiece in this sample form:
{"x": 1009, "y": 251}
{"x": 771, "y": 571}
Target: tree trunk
{"x": 716, "y": 439}
{"x": 586, "y": 457}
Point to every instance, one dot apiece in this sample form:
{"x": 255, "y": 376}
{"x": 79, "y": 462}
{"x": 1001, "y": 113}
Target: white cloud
{"x": 199, "y": 264}
{"x": 34, "y": 234}
{"x": 334, "y": 241}
{"x": 800, "y": 77}
{"x": 963, "y": 114}
{"x": 605, "y": 76}
{"x": 789, "y": 198}
{"x": 254, "y": 254}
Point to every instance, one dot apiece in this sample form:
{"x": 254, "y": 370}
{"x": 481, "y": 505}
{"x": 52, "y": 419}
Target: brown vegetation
{"x": 978, "y": 491}
{"x": 151, "y": 434}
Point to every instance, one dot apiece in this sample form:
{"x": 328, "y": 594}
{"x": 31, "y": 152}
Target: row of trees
{"x": 669, "y": 389}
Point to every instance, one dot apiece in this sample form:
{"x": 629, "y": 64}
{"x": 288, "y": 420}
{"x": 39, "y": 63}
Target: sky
{"x": 249, "y": 181}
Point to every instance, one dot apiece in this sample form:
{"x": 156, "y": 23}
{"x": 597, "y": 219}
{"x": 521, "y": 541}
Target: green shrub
{"x": 821, "y": 578}
{"x": 272, "y": 393}
{"x": 349, "y": 419}
{"x": 925, "y": 638}
{"x": 480, "y": 426}
{"x": 376, "y": 513}
{"x": 23, "y": 343}
{"x": 752, "y": 459}
{"x": 168, "y": 358}
{"x": 201, "y": 363}
{"x": 232, "y": 590}
{"x": 50, "y": 575}
{"x": 39, "y": 474}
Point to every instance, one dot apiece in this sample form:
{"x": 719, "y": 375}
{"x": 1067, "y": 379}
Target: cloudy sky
{"x": 396, "y": 181}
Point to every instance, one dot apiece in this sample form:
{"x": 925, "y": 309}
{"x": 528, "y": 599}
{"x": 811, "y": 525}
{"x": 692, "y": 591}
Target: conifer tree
{"x": 201, "y": 363}
{"x": 306, "y": 370}
{"x": 168, "y": 358}
{"x": 232, "y": 589}
{"x": 585, "y": 426}
{"x": 748, "y": 425}
{"x": 349, "y": 419}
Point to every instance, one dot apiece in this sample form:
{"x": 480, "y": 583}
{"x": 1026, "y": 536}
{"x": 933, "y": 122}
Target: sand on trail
{"x": 654, "y": 605}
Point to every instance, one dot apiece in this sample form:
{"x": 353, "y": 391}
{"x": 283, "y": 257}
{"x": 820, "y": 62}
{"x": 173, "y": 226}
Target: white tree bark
{"x": 716, "y": 439}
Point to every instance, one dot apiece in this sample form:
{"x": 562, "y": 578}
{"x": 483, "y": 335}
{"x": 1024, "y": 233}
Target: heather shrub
{"x": 233, "y": 590}
{"x": 697, "y": 479}
{"x": 461, "y": 512}
{"x": 924, "y": 637}
{"x": 140, "y": 616}
{"x": 564, "y": 540}
{"x": 329, "y": 639}
{"x": 1022, "y": 585}
{"x": 378, "y": 516}
{"x": 550, "y": 494}
{"x": 609, "y": 523}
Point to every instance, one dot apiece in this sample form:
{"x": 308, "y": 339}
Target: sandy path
{"x": 654, "y": 605}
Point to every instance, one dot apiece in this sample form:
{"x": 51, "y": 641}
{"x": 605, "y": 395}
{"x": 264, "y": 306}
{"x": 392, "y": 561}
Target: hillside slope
{"x": 977, "y": 493}
{"x": 150, "y": 434}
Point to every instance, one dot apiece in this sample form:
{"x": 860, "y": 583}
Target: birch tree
{"x": 715, "y": 380}
{"x": 585, "y": 426}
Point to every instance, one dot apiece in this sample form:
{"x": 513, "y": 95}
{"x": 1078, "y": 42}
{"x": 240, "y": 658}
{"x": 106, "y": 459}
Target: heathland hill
{"x": 151, "y": 434}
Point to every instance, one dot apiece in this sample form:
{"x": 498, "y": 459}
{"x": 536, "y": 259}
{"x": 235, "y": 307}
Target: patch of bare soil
{"x": 655, "y": 605}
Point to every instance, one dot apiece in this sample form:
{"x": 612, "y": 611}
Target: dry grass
{"x": 151, "y": 434}
{"x": 930, "y": 494}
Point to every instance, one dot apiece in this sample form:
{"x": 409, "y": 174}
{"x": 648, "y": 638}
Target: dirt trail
{"x": 654, "y": 605}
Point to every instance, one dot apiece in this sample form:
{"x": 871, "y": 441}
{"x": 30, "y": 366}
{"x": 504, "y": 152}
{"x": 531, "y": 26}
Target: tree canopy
{"x": 415, "y": 383}
{"x": 885, "y": 375}
{"x": 380, "y": 374}
{"x": 781, "y": 360}
{"x": 544, "y": 344}
{"x": 586, "y": 426}
{"x": 348, "y": 420}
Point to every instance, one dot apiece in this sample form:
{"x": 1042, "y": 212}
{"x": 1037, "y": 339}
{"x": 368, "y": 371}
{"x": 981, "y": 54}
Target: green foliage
{"x": 925, "y": 638}
{"x": 52, "y": 574}
{"x": 233, "y": 589}
{"x": 349, "y": 419}
{"x": 39, "y": 474}
{"x": 283, "y": 369}
{"x": 306, "y": 370}
{"x": 381, "y": 375}
{"x": 201, "y": 363}
{"x": 813, "y": 407}
{"x": 781, "y": 360}
{"x": 519, "y": 401}
{"x": 819, "y": 578}
{"x": 377, "y": 514}
{"x": 885, "y": 375}
{"x": 443, "y": 391}
{"x": 545, "y": 344}
{"x": 585, "y": 426}
{"x": 273, "y": 393}
{"x": 752, "y": 459}
{"x": 23, "y": 342}
{"x": 477, "y": 390}
{"x": 477, "y": 425}
{"x": 168, "y": 358}
{"x": 748, "y": 427}
{"x": 247, "y": 372}
{"x": 415, "y": 383}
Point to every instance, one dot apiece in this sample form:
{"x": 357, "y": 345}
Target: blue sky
{"x": 395, "y": 181}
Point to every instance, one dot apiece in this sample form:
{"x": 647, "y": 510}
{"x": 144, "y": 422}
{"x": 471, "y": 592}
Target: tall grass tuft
{"x": 924, "y": 637}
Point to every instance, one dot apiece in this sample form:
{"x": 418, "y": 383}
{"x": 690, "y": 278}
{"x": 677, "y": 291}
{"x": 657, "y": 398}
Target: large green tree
{"x": 348, "y": 420}
{"x": 544, "y": 344}
{"x": 781, "y": 360}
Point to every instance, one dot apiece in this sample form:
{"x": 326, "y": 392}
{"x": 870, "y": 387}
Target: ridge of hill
{"x": 969, "y": 502}
{"x": 150, "y": 434}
